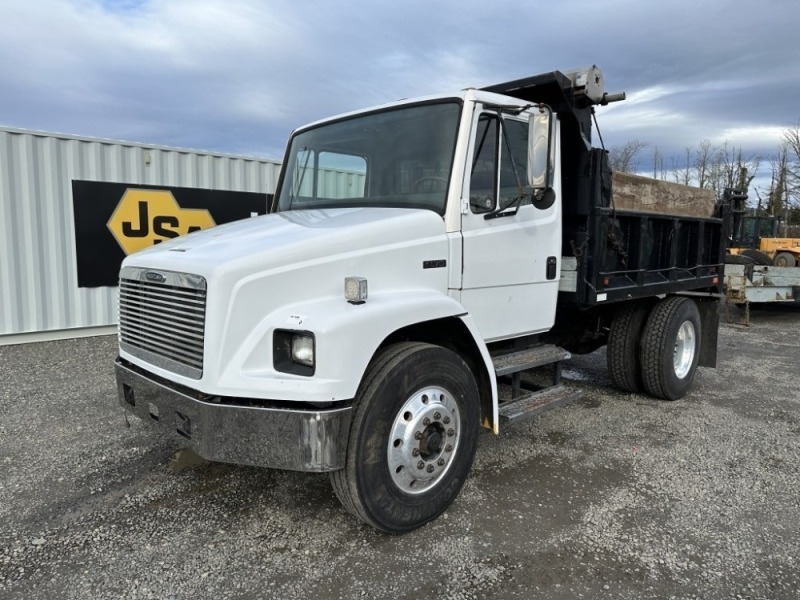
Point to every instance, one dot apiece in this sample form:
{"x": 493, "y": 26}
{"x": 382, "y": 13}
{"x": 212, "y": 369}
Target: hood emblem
{"x": 153, "y": 276}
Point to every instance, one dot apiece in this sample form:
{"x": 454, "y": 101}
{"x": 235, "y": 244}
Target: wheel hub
{"x": 423, "y": 440}
{"x": 432, "y": 441}
{"x": 683, "y": 355}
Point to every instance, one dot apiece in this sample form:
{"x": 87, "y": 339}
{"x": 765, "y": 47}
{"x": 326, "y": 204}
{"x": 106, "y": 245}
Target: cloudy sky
{"x": 239, "y": 75}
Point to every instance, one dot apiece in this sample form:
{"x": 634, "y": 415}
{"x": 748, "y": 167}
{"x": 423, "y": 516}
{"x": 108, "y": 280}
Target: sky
{"x": 238, "y": 75}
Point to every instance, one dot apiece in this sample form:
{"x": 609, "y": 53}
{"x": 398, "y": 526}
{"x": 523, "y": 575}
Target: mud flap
{"x": 709, "y": 322}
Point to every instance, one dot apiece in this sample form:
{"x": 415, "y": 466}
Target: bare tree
{"x": 703, "y": 163}
{"x": 624, "y": 158}
{"x": 682, "y": 170}
{"x": 791, "y": 139}
{"x": 730, "y": 169}
{"x": 776, "y": 199}
{"x": 659, "y": 168}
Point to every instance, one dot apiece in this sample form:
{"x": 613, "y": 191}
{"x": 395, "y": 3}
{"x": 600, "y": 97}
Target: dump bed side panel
{"x": 622, "y": 254}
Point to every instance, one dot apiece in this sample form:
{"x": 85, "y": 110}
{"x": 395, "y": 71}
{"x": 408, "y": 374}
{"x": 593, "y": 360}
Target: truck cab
{"x": 464, "y": 159}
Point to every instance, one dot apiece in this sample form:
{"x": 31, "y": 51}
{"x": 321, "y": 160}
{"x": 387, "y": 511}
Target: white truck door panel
{"x": 505, "y": 284}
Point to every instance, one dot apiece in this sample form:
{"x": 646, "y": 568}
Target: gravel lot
{"x": 615, "y": 496}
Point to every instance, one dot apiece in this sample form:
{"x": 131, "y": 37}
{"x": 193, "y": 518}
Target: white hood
{"x": 286, "y": 238}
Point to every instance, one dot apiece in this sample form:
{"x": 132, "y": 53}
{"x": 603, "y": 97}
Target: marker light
{"x": 355, "y": 289}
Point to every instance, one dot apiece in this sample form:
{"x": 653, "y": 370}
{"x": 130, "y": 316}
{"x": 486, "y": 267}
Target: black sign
{"x": 113, "y": 220}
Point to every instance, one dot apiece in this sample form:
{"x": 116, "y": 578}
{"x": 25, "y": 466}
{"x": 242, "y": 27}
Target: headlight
{"x": 294, "y": 352}
{"x": 303, "y": 349}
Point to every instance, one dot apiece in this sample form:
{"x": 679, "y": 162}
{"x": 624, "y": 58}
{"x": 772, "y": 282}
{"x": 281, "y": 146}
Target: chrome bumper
{"x": 298, "y": 440}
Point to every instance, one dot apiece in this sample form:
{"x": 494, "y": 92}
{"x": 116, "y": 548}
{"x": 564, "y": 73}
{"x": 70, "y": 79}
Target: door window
{"x": 513, "y": 163}
{"x": 506, "y": 149}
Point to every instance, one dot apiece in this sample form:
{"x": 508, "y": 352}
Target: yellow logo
{"x": 147, "y": 217}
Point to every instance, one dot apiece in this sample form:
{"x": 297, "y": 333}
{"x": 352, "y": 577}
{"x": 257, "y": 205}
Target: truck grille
{"x": 162, "y": 318}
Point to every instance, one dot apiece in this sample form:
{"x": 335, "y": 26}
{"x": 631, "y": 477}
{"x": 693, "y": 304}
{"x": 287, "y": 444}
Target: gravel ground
{"x": 615, "y": 496}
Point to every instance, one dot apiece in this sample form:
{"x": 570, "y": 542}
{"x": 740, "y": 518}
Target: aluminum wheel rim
{"x": 683, "y": 357}
{"x": 423, "y": 440}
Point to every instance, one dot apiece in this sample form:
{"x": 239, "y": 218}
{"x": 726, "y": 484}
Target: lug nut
{"x": 440, "y": 462}
{"x": 448, "y": 448}
{"x": 418, "y": 435}
{"x": 437, "y": 416}
{"x": 426, "y": 421}
{"x": 451, "y": 432}
{"x": 415, "y": 452}
{"x": 421, "y": 465}
{"x": 446, "y": 420}
{"x": 430, "y": 469}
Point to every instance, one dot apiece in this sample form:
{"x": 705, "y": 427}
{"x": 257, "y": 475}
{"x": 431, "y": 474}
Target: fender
{"x": 346, "y": 338}
{"x": 494, "y": 423}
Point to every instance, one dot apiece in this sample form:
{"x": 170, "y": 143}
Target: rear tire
{"x": 413, "y": 437}
{"x": 670, "y": 348}
{"x": 759, "y": 258}
{"x": 784, "y": 259}
{"x": 738, "y": 259}
{"x": 623, "y": 347}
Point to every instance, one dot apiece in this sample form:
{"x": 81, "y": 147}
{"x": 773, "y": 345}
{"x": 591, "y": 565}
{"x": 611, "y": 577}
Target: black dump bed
{"x": 618, "y": 254}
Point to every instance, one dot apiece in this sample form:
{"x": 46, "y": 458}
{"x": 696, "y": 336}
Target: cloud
{"x": 239, "y": 75}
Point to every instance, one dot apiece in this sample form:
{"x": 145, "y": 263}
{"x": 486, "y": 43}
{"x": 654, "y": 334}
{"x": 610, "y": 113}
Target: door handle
{"x": 551, "y": 267}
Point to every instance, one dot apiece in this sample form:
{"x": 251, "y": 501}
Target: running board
{"x": 535, "y": 403}
{"x": 514, "y": 363}
{"x": 530, "y": 358}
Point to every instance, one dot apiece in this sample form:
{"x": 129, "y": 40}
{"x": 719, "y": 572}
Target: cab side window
{"x": 483, "y": 179}
{"x": 503, "y": 152}
{"x": 514, "y": 162}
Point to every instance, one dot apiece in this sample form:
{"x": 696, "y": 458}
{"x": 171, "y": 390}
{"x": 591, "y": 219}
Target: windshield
{"x": 396, "y": 158}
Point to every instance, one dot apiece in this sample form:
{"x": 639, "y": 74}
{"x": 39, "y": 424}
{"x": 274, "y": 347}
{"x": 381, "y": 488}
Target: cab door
{"x": 511, "y": 255}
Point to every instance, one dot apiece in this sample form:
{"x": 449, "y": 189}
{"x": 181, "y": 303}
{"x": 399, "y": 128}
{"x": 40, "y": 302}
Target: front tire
{"x": 670, "y": 348}
{"x": 413, "y": 437}
{"x": 784, "y": 259}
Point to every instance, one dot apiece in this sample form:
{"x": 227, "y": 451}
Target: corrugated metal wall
{"x": 38, "y": 277}
{"x": 335, "y": 183}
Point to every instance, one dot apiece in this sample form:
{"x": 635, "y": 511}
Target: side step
{"x": 537, "y": 402}
{"x": 530, "y": 358}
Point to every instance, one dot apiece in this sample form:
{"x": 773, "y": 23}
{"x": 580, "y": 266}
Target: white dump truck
{"x": 418, "y": 256}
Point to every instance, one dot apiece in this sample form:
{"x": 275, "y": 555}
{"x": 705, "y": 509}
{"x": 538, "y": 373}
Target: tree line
{"x": 723, "y": 166}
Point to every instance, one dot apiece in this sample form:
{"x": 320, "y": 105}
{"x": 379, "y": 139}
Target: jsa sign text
{"x": 146, "y": 217}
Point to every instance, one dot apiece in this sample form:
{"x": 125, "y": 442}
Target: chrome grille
{"x": 162, "y": 318}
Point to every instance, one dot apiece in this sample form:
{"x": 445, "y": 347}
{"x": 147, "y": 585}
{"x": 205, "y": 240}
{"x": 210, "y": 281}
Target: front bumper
{"x": 281, "y": 438}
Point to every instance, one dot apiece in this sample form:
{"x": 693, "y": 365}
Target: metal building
{"x": 39, "y": 294}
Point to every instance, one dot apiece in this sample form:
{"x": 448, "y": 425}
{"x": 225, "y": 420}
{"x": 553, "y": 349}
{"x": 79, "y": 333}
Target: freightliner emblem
{"x": 153, "y": 276}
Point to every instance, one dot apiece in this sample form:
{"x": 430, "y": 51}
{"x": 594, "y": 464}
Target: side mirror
{"x": 540, "y": 149}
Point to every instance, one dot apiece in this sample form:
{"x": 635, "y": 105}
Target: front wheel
{"x": 670, "y": 348}
{"x": 413, "y": 437}
{"x": 784, "y": 259}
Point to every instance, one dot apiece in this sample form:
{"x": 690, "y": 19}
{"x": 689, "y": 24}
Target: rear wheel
{"x": 738, "y": 259}
{"x": 670, "y": 348}
{"x": 759, "y": 258}
{"x": 623, "y": 347}
{"x": 784, "y": 259}
{"x": 413, "y": 437}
